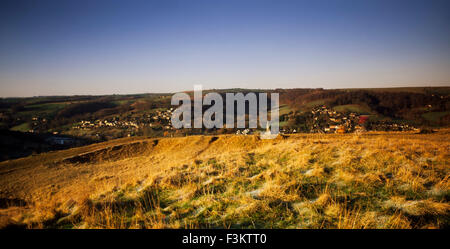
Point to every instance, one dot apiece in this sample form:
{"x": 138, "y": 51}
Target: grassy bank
{"x": 374, "y": 180}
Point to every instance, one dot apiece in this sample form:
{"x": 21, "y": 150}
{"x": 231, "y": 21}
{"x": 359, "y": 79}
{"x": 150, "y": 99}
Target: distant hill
{"x": 416, "y": 106}
{"x": 427, "y": 106}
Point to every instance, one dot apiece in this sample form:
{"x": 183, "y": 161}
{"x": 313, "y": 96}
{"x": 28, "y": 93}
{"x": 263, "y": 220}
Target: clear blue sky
{"x": 105, "y": 47}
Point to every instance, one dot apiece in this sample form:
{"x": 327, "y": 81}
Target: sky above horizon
{"x": 123, "y": 47}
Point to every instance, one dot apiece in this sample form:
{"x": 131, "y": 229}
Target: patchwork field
{"x": 371, "y": 180}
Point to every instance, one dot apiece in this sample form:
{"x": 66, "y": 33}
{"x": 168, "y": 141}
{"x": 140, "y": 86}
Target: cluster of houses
{"x": 389, "y": 126}
{"x": 114, "y": 122}
{"x": 160, "y": 118}
{"x": 326, "y": 120}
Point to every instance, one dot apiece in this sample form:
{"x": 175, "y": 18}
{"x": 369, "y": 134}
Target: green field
{"x": 312, "y": 104}
{"x": 435, "y": 116}
{"x": 41, "y": 110}
{"x": 353, "y": 108}
{"x": 22, "y": 127}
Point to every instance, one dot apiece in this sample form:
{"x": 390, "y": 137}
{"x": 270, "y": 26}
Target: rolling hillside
{"x": 374, "y": 180}
{"x": 92, "y": 119}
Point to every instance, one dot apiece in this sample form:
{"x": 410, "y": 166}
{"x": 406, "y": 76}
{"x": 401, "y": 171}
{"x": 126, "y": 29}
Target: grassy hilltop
{"x": 372, "y": 180}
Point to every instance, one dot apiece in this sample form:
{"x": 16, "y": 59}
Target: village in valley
{"x": 320, "y": 119}
{"x": 323, "y": 119}
{"x": 158, "y": 119}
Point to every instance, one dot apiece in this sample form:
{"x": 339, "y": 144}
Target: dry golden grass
{"x": 373, "y": 180}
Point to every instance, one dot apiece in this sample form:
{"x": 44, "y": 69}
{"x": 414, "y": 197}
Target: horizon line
{"x": 269, "y": 89}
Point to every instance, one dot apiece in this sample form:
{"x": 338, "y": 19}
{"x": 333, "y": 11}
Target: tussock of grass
{"x": 418, "y": 207}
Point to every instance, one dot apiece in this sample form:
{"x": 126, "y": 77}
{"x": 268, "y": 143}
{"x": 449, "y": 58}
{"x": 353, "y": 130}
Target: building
{"x": 54, "y": 140}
